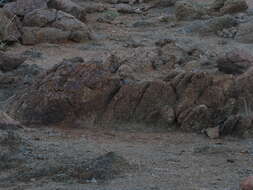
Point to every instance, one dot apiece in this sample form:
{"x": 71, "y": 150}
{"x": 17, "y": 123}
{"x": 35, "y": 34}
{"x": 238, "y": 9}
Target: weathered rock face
{"x": 50, "y": 25}
{"x": 8, "y": 27}
{"x": 96, "y": 94}
{"x": 73, "y": 91}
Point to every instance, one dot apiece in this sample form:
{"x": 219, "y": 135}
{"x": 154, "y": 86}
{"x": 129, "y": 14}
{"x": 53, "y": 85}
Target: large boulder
{"x": 69, "y": 7}
{"x": 228, "y": 6}
{"x": 40, "y": 17}
{"x": 68, "y": 90}
{"x": 234, "y": 6}
{"x": 50, "y": 25}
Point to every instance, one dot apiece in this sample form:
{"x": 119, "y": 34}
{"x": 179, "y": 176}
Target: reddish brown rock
{"x": 99, "y": 94}
{"x": 247, "y": 184}
{"x": 66, "y": 91}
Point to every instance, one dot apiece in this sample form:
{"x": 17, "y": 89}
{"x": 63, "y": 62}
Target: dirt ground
{"x": 175, "y": 161}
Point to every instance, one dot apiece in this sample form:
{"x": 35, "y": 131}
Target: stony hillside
{"x": 160, "y": 69}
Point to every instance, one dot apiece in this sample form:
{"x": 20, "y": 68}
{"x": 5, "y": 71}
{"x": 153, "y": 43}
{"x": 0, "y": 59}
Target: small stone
{"x": 213, "y": 133}
{"x": 33, "y": 179}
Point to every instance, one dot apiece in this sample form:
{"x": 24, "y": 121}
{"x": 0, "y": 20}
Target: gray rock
{"x": 57, "y": 26}
{"x": 236, "y": 61}
{"x": 9, "y": 62}
{"x": 234, "y": 6}
{"x": 189, "y": 10}
{"x": 7, "y": 123}
{"x": 40, "y": 17}
{"x": 213, "y": 133}
{"x": 8, "y": 27}
{"x": 245, "y": 33}
{"x": 211, "y": 26}
{"x": 26, "y": 6}
{"x": 70, "y": 7}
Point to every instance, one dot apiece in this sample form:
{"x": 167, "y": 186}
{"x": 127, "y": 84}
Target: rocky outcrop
{"x": 50, "y": 25}
{"x": 47, "y": 21}
{"x": 97, "y": 95}
{"x": 67, "y": 95}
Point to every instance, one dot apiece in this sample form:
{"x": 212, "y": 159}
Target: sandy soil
{"x": 174, "y": 161}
